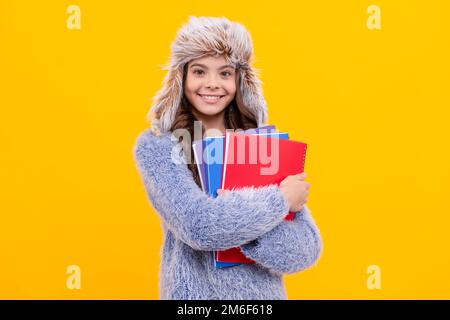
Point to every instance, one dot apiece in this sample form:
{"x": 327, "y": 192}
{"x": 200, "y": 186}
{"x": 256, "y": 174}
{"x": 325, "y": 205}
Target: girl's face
{"x": 210, "y": 85}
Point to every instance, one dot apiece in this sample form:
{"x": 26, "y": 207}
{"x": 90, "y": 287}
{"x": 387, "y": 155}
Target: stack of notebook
{"x": 246, "y": 158}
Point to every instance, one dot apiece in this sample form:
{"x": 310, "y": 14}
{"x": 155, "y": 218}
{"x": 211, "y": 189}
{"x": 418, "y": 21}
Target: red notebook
{"x": 254, "y": 160}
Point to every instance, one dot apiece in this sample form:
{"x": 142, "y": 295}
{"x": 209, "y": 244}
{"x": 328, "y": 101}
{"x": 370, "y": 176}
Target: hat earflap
{"x": 252, "y": 95}
{"x": 167, "y": 100}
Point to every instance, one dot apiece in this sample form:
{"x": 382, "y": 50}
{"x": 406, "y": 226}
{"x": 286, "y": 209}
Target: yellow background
{"x": 371, "y": 104}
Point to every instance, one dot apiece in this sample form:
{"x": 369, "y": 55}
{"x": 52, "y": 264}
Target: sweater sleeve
{"x": 290, "y": 247}
{"x": 201, "y": 221}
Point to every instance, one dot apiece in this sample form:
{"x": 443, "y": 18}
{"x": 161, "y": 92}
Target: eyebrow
{"x": 203, "y": 66}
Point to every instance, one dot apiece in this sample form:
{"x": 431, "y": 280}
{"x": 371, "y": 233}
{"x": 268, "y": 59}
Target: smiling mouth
{"x": 210, "y": 98}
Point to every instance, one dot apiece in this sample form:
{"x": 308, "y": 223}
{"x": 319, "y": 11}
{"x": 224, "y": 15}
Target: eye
{"x": 197, "y": 70}
{"x": 229, "y": 73}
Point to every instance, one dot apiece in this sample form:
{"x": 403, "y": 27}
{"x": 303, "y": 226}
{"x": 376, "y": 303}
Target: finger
{"x": 300, "y": 176}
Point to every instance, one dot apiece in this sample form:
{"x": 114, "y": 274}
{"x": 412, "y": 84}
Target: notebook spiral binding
{"x": 304, "y": 157}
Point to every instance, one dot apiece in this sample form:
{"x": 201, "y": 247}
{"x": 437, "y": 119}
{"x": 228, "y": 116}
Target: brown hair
{"x": 237, "y": 116}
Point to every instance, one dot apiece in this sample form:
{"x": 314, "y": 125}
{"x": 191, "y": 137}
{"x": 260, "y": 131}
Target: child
{"x": 210, "y": 79}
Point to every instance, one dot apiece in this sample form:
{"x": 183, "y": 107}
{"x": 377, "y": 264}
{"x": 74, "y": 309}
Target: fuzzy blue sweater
{"x": 195, "y": 224}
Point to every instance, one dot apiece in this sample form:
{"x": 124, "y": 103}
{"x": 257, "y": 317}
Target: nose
{"x": 211, "y": 83}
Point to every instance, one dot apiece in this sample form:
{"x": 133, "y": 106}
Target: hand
{"x": 296, "y": 191}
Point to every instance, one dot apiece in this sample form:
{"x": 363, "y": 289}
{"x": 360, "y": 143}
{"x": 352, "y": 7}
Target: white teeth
{"x": 211, "y": 97}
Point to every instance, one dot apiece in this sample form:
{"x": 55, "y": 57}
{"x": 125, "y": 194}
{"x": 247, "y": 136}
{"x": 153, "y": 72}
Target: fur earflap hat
{"x": 203, "y": 36}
